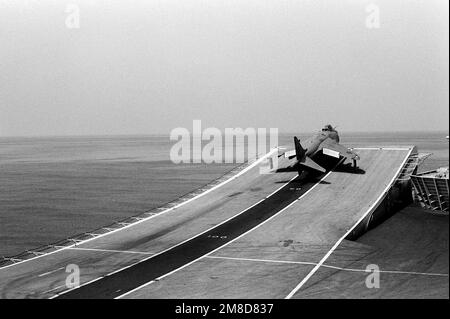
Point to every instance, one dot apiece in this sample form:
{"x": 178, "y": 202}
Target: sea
{"x": 52, "y": 188}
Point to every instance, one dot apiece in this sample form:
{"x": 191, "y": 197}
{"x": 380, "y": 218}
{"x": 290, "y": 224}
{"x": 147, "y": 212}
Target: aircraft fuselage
{"x": 312, "y": 144}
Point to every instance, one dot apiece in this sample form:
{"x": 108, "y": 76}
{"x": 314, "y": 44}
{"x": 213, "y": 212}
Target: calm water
{"x": 52, "y": 188}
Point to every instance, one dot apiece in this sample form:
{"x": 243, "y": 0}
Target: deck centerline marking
{"x": 50, "y": 272}
{"x": 238, "y": 237}
{"x": 333, "y": 248}
{"x": 328, "y": 266}
{"x": 241, "y": 172}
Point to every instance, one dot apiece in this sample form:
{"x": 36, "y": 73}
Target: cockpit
{"x": 328, "y": 128}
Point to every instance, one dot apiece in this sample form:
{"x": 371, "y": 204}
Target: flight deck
{"x": 250, "y": 235}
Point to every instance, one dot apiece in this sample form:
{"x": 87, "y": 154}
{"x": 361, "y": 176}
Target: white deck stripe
{"x": 112, "y": 251}
{"x": 233, "y": 240}
{"x": 50, "y": 272}
{"x": 257, "y": 162}
{"x": 383, "y": 148}
{"x": 329, "y": 266}
{"x": 371, "y": 208}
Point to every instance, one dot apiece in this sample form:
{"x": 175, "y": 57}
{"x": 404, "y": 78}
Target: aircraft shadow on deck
{"x": 343, "y": 168}
{"x": 348, "y": 168}
{"x": 302, "y": 180}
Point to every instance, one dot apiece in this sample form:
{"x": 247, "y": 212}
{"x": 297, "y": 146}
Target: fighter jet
{"x": 325, "y": 141}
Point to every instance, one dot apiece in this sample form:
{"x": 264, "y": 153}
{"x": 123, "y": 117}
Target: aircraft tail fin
{"x": 303, "y": 160}
{"x": 299, "y": 150}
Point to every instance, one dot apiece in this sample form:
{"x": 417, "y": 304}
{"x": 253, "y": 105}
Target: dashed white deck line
{"x": 241, "y": 172}
{"x": 383, "y": 148}
{"x": 112, "y": 251}
{"x": 50, "y": 272}
{"x": 328, "y": 266}
{"x": 233, "y": 240}
{"x": 371, "y": 208}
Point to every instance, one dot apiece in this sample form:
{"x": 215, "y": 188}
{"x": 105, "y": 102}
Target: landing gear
{"x": 355, "y": 164}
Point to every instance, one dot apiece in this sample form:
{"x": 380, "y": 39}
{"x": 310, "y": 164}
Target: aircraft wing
{"x": 332, "y": 148}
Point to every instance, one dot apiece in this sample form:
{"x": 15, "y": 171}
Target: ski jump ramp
{"x": 249, "y": 235}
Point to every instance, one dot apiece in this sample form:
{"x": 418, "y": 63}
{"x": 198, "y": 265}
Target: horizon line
{"x": 168, "y": 134}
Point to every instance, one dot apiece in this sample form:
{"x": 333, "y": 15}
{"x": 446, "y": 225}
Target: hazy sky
{"x": 138, "y": 67}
